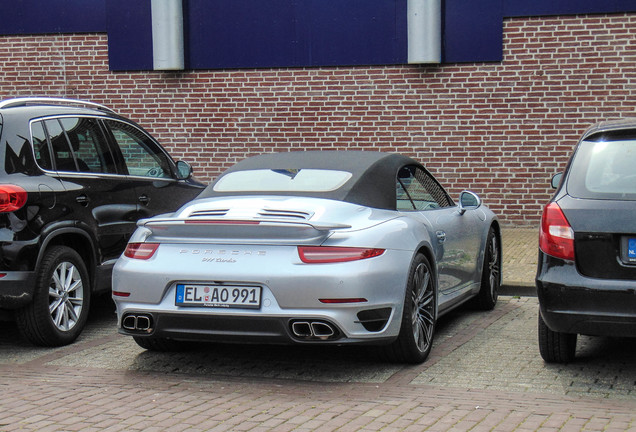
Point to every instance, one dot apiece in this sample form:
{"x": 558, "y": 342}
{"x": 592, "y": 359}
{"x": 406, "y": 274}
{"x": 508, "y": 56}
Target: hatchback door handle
{"x": 144, "y": 199}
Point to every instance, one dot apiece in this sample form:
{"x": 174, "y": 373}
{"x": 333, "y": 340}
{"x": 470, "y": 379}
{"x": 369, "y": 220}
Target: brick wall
{"x": 500, "y": 129}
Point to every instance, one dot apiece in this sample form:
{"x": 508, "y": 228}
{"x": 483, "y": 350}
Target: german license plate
{"x": 218, "y": 296}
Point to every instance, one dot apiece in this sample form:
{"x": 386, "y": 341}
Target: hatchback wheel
{"x": 415, "y": 340}
{"x": 555, "y": 347}
{"x": 59, "y": 309}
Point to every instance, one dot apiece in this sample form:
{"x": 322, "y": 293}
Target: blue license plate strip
{"x": 631, "y": 248}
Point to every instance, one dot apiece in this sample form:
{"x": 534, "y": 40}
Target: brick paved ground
{"x": 520, "y": 248}
{"x": 484, "y": 374}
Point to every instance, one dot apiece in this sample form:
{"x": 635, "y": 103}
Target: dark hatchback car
{"x": 586, "y": 278}
{"x": 74, "y": 179}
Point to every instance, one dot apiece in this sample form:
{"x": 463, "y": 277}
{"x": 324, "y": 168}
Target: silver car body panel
{"x": 252, "y": 241}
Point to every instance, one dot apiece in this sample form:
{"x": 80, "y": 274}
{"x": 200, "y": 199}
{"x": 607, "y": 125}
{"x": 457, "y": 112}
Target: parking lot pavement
{"x": 520, "y": 253}
{"x": 484, "y": 373}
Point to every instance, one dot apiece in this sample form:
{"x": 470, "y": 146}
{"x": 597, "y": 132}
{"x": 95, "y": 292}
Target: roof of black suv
{"x": 51, "y": 101}
{"x": 42, "y": 106}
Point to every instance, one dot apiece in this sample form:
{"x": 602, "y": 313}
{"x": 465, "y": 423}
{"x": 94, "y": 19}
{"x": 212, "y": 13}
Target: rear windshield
{"x": 604, "y": 170}
{"x": 282, "y": 180}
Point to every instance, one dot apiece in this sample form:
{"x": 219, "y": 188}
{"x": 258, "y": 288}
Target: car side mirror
{"x": 184, "y": 170}
{"x": 556, "y": 180}
{"x": 468, "y": 201}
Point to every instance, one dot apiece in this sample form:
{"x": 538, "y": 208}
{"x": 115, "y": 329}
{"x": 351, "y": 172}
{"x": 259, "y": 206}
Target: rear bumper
{"x": 243, "y": 329}
{"x": 572, "y": 303}
{"x": 16, "y": 289}
{"x": 290, "y": 291}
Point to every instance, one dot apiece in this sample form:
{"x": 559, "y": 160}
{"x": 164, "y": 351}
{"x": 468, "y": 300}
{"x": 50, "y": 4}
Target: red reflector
{"x": 343, "y": 300}
{"x": 121, "y": 294}
{"x": 556, "y": 237}
{"x": 327, "y": 254}
{"x": 12, "y": 198}
{"x": 2, "y": 275}
{"x": 142, "y": 251}
{"x": 221, "y": 222}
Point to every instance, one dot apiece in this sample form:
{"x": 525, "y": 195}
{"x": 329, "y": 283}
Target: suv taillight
{"x": 557, "y": 236}
{"x": 12, "y": 198}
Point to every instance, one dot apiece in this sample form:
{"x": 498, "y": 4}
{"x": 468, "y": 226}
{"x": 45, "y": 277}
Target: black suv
{"x": 74, "y": 179}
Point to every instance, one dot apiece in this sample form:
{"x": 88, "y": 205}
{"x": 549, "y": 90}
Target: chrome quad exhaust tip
{"x": 314, "y": 330}
{"x": 137, "y": 323}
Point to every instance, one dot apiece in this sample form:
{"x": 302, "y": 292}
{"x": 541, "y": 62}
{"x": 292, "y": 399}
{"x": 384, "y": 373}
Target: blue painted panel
{"x": 129, "y": 35}
{"x": 257, "y": 33}
{"x": 241, "y": 33}
{"x": 292, "y": 33}
{"x": 521, "y": 8}
{"x": 357, "y": 32}
{"x": 52, "y": 16}
{"x": 472, "y": 31}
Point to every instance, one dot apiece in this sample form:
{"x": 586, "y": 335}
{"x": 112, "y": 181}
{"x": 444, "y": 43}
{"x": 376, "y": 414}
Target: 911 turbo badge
{"x": 223, "y": 252}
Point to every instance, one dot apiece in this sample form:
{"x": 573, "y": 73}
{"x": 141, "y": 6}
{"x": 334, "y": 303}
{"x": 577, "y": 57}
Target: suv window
{"x": 41, "y": 146}
{"x": 141, "y": 155}
{"x": 78, "y": 145}
{"x": 417, "y": 190}
{"x": 88, "y": 145}
{"x": 62, "y": 154}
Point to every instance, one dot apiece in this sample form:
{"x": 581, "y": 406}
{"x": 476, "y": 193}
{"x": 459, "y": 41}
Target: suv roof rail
{"x": 23, "y": 101}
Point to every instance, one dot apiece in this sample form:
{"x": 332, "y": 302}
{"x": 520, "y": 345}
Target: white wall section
{"x": 167, "y": 34}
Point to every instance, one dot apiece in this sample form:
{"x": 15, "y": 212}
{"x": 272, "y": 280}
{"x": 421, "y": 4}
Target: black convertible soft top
{"x": 372, "y": 183}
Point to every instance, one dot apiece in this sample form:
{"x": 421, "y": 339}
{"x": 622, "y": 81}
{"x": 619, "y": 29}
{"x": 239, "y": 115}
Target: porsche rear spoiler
{"x": 320, "y": 226}
{"x": 200, "y": 230}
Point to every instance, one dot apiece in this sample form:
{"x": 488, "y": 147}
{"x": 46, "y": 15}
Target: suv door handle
{"x": 144, "y": 199}
{"x": 82, "y": 199}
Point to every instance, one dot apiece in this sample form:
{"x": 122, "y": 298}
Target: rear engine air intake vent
{"x": 210, "y": 213}
{"x": 284, "y": 214}
{"x": 374, "y": 320}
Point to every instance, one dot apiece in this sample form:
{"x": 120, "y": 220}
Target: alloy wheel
{"x": 66, "y": 296}
{"x": 423, "y": 312}
{"x": 493, "y": 266}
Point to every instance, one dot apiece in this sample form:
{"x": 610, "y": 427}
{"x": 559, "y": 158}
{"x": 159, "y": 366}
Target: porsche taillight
{"x": 142, "y": 251}
{"x": 556, "y": 237}
{"x": 12, "y": 198}
{"x": 330, "y": 254}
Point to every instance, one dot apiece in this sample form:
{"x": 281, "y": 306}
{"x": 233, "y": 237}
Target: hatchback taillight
{"x": 142, "y": 251}
{"x": 12, "y": 198}
{"x": 557, "y": 236}
{"x": 326, "y": 254}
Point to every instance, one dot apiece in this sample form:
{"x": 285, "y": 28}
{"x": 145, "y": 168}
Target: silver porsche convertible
{"x": 315, "y": 247}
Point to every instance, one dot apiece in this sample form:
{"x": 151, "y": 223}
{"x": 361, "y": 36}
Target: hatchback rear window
{"x": 604, "y": 169}
{"x": 282, "y": 180}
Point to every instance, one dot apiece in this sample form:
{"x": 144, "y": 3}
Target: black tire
{"x": 415, "y": 340}
{"x": 488, "y": 294}
{"x": 59, "y": 310}
{"x": 556, "y": 347}
{"x": 161, "y": 344}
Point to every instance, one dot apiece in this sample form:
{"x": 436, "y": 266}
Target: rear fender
{"x": 75, "y": 238}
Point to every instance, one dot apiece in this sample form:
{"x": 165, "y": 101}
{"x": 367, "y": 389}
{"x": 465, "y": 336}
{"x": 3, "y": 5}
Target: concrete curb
{"x": 521, "y": 289}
